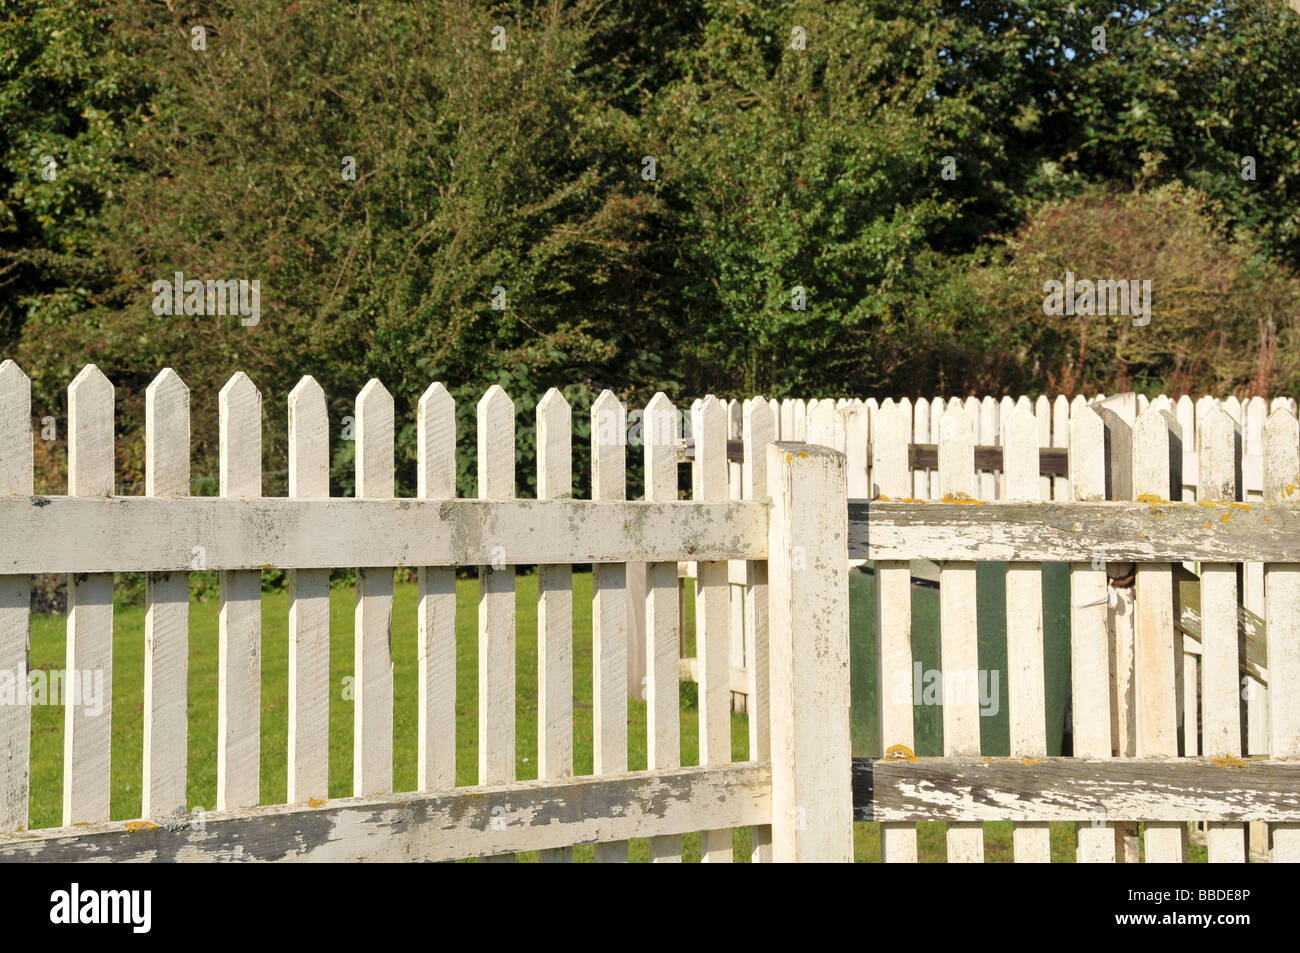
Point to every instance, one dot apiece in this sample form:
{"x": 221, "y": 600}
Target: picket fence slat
{"x": 309, "y": 605}
{"x": 372, "y": 753}
{"x": 609, "y": 608}
{"x": 16, "y": 477}
{"x": 1090, "y": 641}
{"x": 239, "y": 636}
{"x": 167, "y": 603}
{"x": 1281, "y": 449}
{"x": 1219, "y": 450}
{"x": 958, "y": 641}
{"x": 712, "y": 615}
{"x": 663, "y": 718}
{"x": 1157, "y": 653}
{"x": 894, "y": 679}
{"x": 758, "y": 432}
{"x": 436, "y": 618}
{"x": 1026, "y": 686}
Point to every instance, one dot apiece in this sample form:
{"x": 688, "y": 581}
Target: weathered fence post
{"x": 808, "y": 591}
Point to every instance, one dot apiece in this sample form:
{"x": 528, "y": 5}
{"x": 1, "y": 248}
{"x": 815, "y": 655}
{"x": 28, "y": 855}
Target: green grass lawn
{"x": 47, "y": 652}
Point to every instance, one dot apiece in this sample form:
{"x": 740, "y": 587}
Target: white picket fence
{"x": 799, "y": 808}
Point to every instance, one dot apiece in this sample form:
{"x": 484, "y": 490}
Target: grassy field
{"x": 47, "y": 652}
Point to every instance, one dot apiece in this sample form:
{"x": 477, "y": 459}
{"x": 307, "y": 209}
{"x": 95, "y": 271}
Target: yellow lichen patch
{"x": 899, "y": 753}
{"x": 911, "y": 499}
{"x": 315, "y": 802}
{"x": 960, "y": 498}
{"x": 1031, "y": 760}
{"x": 136, "y": 827}
{"x": 1207, "y": 526}
{"x": 802, "y": 454}
{"x": 1151, "y": 498}
{"x": 1210, "y": 503}
{"x": 882, "y": 498}
{"x": 1227, "y": 761}
{"x": 1225, "y": 517}
{"x": 789, "y": 457}
{"x": 1290, "y": 489}
{"x": 1240, "y": 506}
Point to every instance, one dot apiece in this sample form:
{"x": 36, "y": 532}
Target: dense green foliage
{"x": 776, "y": 167}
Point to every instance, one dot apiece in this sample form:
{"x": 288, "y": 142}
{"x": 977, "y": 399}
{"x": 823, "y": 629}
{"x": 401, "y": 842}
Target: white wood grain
{"x": 663, "y": 726}
{"x": 309, "y": 605}
{"x": 920, "y": 489}
{"x": 609, "y": 607}
{"x": 1061, "y": 439}
{"x": 436, "y": 656}
{"x": 812, "y": 804}
{"x": 1157, "y": 654}
{"x": 1026, "y": 688}
{"x": 239, "y": 633}
{"x": 166, "y": 619}
{"x": 414, "y": 827}
{"x": 372, "y": 710}
{"x": 1090, "y": 641}
{"x": 1219, "y": 449}
{"x": 758, "y": 432}
{"x": 87, "y": 733}
{"x": 894, "y": 686}
{"x": 1281, "y": 447}
{"x": 958, "y": 644}
{"x": 712, "y": 614}
{"x": 16, "y": 477}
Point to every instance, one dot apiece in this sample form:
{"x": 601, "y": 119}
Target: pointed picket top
{"x": 435, "y": 437}
{"x": 758, "y": 429}
{"x": 1007, "y": 407}
{"x": 240, "y": 407}
{"x": 1020, "y": 454}
{"x": 821, "y": 424}
{"x": 554, "y": 447}
{"x": 709, "y": 426}
{"x": 1219, "y": 449}
{"x": 1078, "y": 404}
{"x": 608, "y": 448}
{"x": 1281, "y": 442}
{"x": 309, "y": 445}
{"x": 374, "y": 441}
{"x": 90, "y": 434}
{"x": 16, "y": 466}
{"x": 956, "y": 441}
{"x": 1087, "y": 455}
{"x": 1253, "y": 414}
{"x": 496, "y": 445}
{"x": 890, "y": 473}
{"x": 1274, "y": 405}
{"x": 1152, "y": 438}
{"x": 1232, "y": 406}
{"x": 167, "y": 436}
{"x": 659, "y": 434}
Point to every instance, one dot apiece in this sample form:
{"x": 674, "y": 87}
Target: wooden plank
{"x": 1060, "y": 441}
{"x": 609, "y": 608}
{"x": 1219, "y": 450}
{"x": 712, "y": 617}
{"x": 372, "y": 709}
{"x": 736, "y": 568}
{"x": 894, "y": 687}
{"x": 88, "y": 731}
{"x": 496, "y": 600}
{"x": 309, "y": 605}
{"x": 920, "y": 433}
{"x": 1254, "y": 693}
{"x": 16, "y": 469}
{"x": 142, "y": 534}
{"x": 663, "y": 728}
{"x": 1144, "y": 531}
{"x": 555, "y": 608}
{"x": 436, "y": 658}
{"x": 414, "y": 827}
{"x": 812, "y": 810}
{"x": 167, "y": 603}
{"x": 239, "y": 632}
{"x": 1281, "y": 446}
{"x": 1026, "y": 683}
{"x": 958, "y": 642}
{"x": 989, "y": 423}
{"x": 1157, "y": 650}
{"x": 1163, "y": 792}
{"x": 1090, "y": 640}
{"x": 758, "y": 428}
